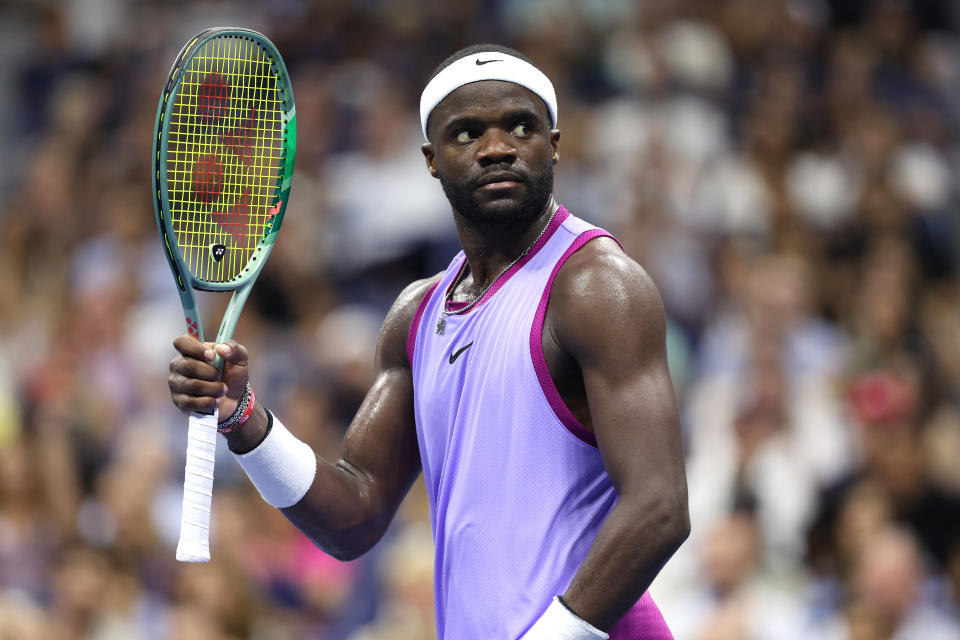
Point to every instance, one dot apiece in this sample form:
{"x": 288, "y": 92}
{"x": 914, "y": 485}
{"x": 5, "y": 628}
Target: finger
{"x": 193, "y": 387}
{"x": 189, "y": 346}
{"x": 233, "y": 352}
{"x": 200, "y": 404}
{"x": 193, "y": 368}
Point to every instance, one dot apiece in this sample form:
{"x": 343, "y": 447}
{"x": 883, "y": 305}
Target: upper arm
{"x": 608, "y": 315}
{"x": 380, "y": 446}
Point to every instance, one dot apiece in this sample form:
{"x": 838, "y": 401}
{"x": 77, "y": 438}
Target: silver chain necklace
{"x": 442, "y": 320}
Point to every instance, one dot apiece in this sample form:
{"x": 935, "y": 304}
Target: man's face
{"x": 493, "y": 151}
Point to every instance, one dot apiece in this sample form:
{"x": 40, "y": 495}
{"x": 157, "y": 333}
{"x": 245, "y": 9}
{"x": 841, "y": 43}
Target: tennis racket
{"x": 222, "y": 164}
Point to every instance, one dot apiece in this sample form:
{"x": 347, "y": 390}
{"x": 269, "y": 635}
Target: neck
{"x": 489, "y": 249}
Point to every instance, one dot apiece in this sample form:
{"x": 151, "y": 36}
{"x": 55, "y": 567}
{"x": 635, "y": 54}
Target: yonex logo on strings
{"x": 217, "y": 251}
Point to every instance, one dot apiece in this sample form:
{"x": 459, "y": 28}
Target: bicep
{"x": 621, "y": 351}
{"x": 636, "y": 421}
{"x": 380, "y": 446}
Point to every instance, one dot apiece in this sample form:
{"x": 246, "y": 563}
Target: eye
{"x": 521, "y": 130}
{"x": 465, "y": 135}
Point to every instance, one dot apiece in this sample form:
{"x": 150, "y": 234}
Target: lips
{"x": 499, "y": 180}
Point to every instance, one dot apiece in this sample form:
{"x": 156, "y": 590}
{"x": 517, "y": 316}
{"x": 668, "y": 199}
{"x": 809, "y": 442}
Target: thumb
{"x": 233, "y": 352}
{"x": 235, "y": 367}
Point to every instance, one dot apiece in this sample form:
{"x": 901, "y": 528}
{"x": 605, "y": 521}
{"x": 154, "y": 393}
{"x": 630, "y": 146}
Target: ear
{"x": 431, "y": 159}
{"x": 555, "y": 144}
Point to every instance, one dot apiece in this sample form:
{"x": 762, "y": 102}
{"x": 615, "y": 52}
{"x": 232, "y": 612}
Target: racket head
{"x": 223, "y": 152}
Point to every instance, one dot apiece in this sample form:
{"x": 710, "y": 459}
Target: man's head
{"x": 489, "y": 116}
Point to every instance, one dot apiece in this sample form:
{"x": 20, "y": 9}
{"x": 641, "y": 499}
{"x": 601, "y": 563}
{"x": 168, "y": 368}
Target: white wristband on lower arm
{"x": 281, "y": 467}
{"x": 559, "y": 623}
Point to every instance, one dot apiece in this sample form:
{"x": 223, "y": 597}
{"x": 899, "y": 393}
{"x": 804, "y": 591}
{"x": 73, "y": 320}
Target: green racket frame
{"x": 243, "y": 282}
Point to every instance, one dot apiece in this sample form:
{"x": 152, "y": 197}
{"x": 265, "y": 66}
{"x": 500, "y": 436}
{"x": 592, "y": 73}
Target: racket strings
{"x": 225, "y": 154}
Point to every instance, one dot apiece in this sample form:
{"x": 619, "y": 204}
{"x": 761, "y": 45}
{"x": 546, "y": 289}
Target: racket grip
{"x": 194, "y": 544}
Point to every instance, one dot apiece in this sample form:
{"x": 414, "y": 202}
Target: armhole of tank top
{"x": 415, "y": 324}
{"x": 560, "y": 409}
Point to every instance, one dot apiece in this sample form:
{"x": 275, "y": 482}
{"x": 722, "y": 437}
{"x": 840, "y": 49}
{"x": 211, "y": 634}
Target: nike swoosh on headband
{"x": 480, "y": 62}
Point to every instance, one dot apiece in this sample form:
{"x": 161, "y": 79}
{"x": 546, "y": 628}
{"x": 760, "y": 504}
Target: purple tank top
{"x": 517, "y": 488}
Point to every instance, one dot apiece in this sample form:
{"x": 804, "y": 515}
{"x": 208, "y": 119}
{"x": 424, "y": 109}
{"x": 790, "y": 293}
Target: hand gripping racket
{"x": 222, "y": 163}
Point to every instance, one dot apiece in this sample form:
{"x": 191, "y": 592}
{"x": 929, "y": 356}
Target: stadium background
{"x": 785, "y": 169}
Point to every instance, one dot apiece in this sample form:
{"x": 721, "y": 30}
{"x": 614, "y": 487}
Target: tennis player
{"x": 528, "y": 382}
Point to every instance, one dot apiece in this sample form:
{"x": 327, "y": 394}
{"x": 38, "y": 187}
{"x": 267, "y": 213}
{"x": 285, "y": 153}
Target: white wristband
{"x": 559, "y": 623}
{"x": 281, "y": 467}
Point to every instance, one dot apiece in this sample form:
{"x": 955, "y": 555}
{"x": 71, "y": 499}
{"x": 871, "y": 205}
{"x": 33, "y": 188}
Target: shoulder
{"x": 600, "y": 272}
{"x": 601, "y": 293}
{"x": 392, "y": 343}
{"x": 407, "y": 303}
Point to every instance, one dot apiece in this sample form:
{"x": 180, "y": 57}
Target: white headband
{"x": 490, "y": 65}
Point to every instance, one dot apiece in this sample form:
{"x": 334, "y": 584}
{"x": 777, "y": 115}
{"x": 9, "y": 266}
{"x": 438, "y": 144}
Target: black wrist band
{"x": 233, "y": 422}
{"x": 260, "y": 441}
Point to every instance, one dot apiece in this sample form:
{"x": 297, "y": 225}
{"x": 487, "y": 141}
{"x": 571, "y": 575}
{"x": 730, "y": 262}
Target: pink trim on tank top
{"x": 415, "y": 325}
{"x": 559, "y": 407}
{"x": 558, "y": 218}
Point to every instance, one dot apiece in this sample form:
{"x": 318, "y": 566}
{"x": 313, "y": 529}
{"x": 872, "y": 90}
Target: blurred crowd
{"x": 785, "y": 169}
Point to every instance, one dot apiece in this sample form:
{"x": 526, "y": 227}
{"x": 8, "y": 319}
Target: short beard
{"x": 500, "y": 213}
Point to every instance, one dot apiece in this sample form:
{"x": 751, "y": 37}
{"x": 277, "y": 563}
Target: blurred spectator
{"x": 887, "y": 595}
{"x": 737, "y": 597}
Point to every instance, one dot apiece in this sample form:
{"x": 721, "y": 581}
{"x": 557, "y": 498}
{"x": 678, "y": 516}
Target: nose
{"x": 496, "y": 146}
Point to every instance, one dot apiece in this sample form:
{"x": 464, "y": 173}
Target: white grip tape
{"x": 281, "y": 467}
{"x": 194, "y": 544}
{"x": 559, "y": 623}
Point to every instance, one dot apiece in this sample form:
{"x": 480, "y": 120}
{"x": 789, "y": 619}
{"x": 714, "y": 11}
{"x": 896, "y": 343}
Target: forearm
{"x": 635, "y": 541}
{"x": 337, "y": 512}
